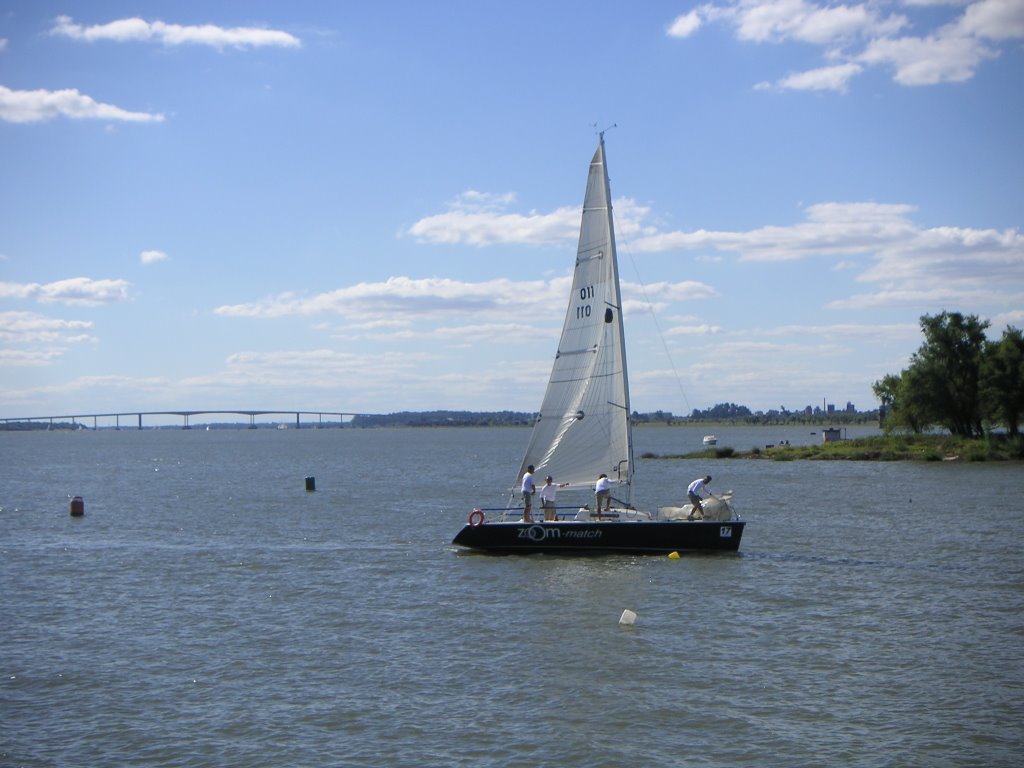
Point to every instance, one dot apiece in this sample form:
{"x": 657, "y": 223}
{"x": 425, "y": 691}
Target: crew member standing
{"x": 547, "y": 497}
{"x": 529, "y": 488}
{"x": 693, "y": 493}
{"x": 603, "y": 494}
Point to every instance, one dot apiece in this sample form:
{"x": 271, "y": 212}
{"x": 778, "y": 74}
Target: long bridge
{"x": 77, "y": 420}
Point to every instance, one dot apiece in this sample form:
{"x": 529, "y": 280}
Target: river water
{"x": 209, "y": 611}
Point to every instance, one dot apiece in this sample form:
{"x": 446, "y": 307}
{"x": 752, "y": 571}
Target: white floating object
{"x": 627, "y": 617}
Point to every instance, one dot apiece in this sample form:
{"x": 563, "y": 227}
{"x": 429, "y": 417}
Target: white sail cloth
{"x": 584, "y": 428}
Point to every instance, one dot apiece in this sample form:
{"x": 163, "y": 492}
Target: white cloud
{"x": 843, "y": 331}
{"x": 74, "y": 290}
{"x": 387, "y": 307}
{"x": 38, "y": 105}
{"x": 27, "y": 358}
{"x": 478, "y": 218}
{"x": 935, "y": 296}
{"x": 913, "y": 265}
{"x": 685, "y": 25}
{"x": 96, "y": 389}
{"x": 491, "y": 333}
{"x": 665, "y": 291}
{"x": 139, "y": 30}
{"x": 1014, "y": 317}
{"x": 946, "y": 266}
{"x": 33, "y": 328}
{"x": 404, "y": 296}
{"x": 490, "y": 227}
{"x": 750, "y": 372}
{"x": 152, "y": 257}
{"x": 993, "y": 19}
{"x": 910, "y": 264}
{"x": 949, "y": 45}
{"x": 701, "y": 329}
{"x": 319, "y": 374}
{"x": 931, "y": 60}
{"x": 47, "y": 338}
{"x": 474, "y": 200}
{"x": 833, "y": 78}
{"x": 630, "y": 218}
{"x": 316, "y": 379}
{"x": 831, "y": 229}
{"x": 776, "y": 21}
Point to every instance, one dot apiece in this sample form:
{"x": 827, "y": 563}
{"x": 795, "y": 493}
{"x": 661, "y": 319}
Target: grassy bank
{"x": 877, "y": 448}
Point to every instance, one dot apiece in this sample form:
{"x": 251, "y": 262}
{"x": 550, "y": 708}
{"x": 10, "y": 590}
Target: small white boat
{"x": 710, "y": 440}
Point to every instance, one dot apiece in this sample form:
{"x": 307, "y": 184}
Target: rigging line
{"x": 657, "y": 325}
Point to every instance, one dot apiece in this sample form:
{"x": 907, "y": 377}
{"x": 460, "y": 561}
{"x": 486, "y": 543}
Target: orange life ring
{"x": 476, "y": 517}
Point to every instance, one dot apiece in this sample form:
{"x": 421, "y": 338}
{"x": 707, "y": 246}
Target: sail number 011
{"x": 583, "y": 311}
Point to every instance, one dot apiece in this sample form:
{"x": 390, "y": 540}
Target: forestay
{"x": 584, "y": 427}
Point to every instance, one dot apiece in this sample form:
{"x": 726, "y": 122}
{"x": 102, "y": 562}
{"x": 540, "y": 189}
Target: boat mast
{"x": 618, "y": 300}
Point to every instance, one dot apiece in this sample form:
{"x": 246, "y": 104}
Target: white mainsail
{"x": 584, "y": 425}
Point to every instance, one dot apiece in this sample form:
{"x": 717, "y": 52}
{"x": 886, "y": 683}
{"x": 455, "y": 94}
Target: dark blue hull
{"x": 639, "y": 538}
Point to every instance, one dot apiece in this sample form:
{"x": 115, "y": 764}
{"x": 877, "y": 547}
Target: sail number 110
{"x": 583, "y": 311}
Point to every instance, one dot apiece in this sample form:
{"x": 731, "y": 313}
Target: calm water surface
{"x": 207, "y": 611}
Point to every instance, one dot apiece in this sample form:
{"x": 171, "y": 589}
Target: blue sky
{"x": 373, "y": 207}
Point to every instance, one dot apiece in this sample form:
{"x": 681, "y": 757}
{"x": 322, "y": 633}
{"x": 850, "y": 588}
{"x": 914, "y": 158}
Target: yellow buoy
{"x": 673, "y": 555}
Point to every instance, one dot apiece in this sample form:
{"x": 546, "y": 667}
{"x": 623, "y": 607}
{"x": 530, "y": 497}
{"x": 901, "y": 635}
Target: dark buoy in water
{"x": 310, "y": 483}
{"x": 77, "y": 506}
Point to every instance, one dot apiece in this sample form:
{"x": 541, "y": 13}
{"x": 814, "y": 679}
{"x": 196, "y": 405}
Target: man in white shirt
{"x": 603, "y": 494}
{"x": 693, "y": 493}
{"x": 547, "y": 497}
{"x": 529, "y": 488}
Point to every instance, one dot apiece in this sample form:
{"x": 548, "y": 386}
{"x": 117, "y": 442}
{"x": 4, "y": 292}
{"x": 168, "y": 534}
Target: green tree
{"x": 1002, "y": 380}
{"x": 949, "y": 366}
{"x": 903, "y": 410}
{"x": 942, "y": 383}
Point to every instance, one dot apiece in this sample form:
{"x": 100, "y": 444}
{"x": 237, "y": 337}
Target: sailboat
{"x": 584, "y": 429}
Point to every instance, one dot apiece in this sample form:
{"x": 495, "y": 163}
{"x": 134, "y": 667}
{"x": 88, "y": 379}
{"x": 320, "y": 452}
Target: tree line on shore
{"x": 444, "y": 418}
{"x": 728, "y": 413}
{"x": 958, "y": 380}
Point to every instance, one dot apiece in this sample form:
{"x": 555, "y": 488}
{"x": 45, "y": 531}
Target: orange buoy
{"x": 77, "y": 506}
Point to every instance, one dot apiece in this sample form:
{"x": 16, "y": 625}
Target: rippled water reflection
{"x": 207, "y": 611}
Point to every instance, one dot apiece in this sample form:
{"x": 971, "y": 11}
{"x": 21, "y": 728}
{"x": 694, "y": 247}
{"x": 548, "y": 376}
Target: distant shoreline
{"x": 947, "y": 448}
{"x": 703, "y": 427}
{"x": 412, "y": 420}
{"x": 892, "y": 447}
